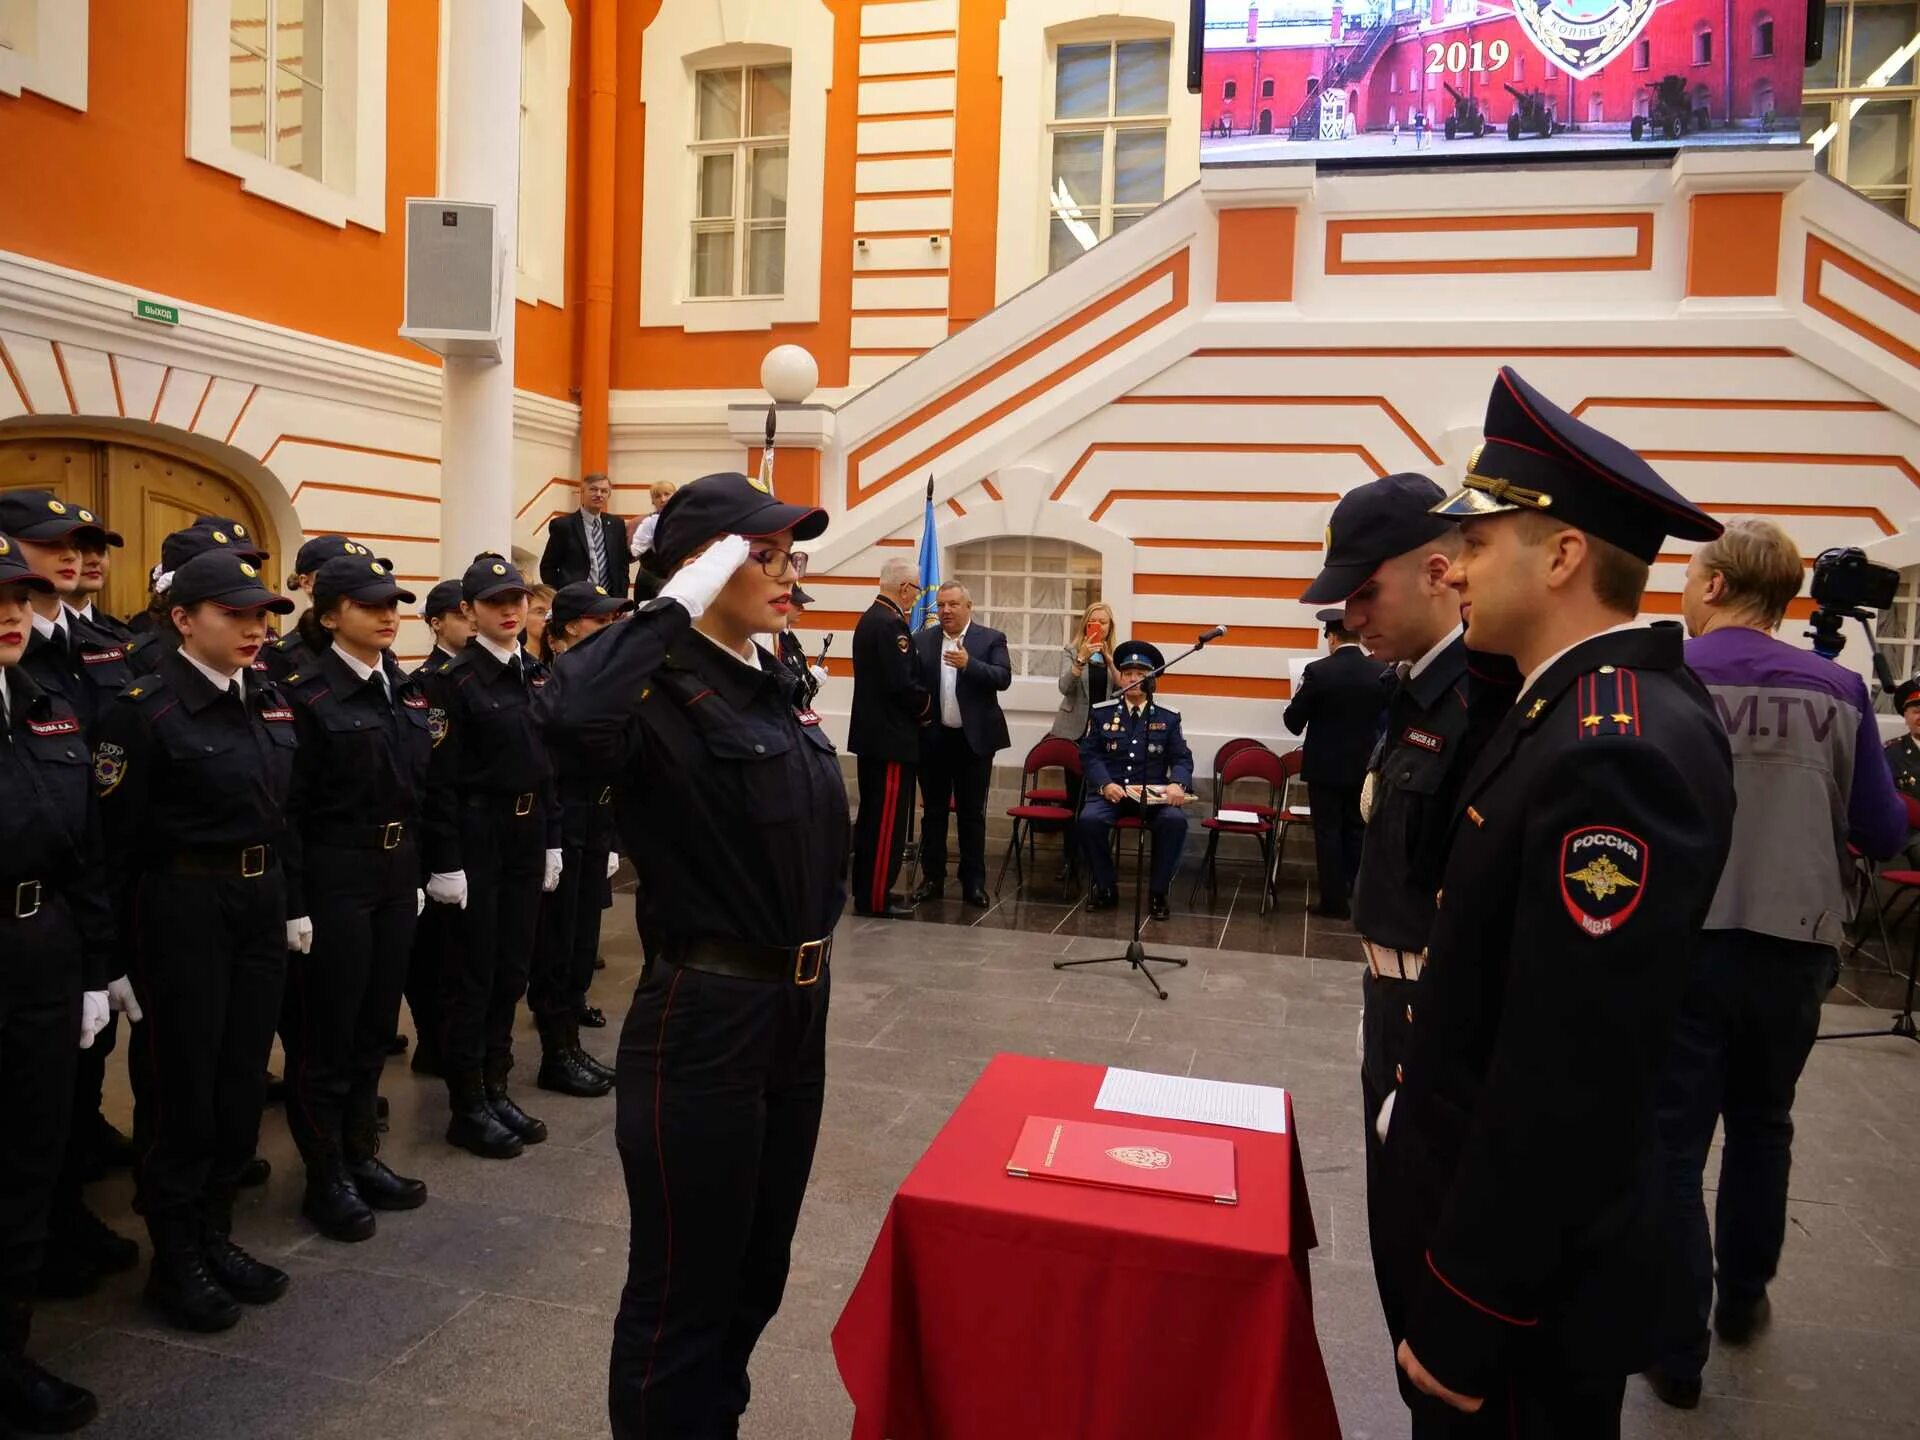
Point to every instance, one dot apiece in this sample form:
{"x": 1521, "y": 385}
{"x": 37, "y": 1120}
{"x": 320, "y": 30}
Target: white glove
{"x": 300, "y": 936}
{"x": 694, "y": 585}
{"x": 819, "y": 673}
{"x": 94, "y": 1012}
{"x": 1360, "y": 1040}
{"x": 419, "y": 903}
{"x": 613, "y": 863}
{"x": 120, "y": 997}
{"x": 1385, "y": 1117}
{"x": 448, "y": 889}
{"x": 643, "y": 536}
{"x": 555, "y": 863}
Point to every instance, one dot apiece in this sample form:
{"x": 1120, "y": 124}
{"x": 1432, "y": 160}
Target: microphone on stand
{"x": 1214, "y": 634}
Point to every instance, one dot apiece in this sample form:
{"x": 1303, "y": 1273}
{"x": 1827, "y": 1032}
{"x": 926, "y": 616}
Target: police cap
{"x": 233, "y": 528}
{"x": 201, "y": 536}
{"x": 14, "y": 569}
{"x": 443, "y": 597}
{"x": 1371, "y": 525}
{"x": 799, "y": 597}
{"x": 491, "y": 575}
{"x": 1137, "y": 655}
{"x": 1538, "y": 457}
{"x": 41, "y": 516}
{"x": 583, "y": 597}
{"x": 1907, "y": 694}
{"x": 227, "y": 580}
{"x": 358, "y": 578}
{"x": 1331, "y": 620}
{"x": 726, "y": 504}
{"x": 322, "y": 548}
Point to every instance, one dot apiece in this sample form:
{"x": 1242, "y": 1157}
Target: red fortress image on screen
{"x": 1321, "y": 79}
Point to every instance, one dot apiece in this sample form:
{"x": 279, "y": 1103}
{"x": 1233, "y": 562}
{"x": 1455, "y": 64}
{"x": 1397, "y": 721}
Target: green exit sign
{"x": 154, "y": 310}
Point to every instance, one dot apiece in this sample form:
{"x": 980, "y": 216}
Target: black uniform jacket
{"x": 1903, "y": 758}
{"x": 1436, "y": 723}
{"x": 180, "y": 764}
{"x": 288, "y": 655}
{"x": 435, "y": 664}
{"x": 793, "y": 654}
{"x": 729, "y": 796}
{"x": 362, "y": 762}
{"x": 1339, "y": 707}
{"x": 49, "y": 824}
{"x": 1523, "y": 1147}
{"x": 87, "y": 677}
{"x": 889, "y": 702}
{"x": 111, "y": 626}
{"x": 486, "y": 744}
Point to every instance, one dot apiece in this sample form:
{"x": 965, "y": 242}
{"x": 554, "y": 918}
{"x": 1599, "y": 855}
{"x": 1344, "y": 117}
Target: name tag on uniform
{"x": 1427, "y": 741}
{"x": 259, "y": 665}
{"x": 102, "y": 657}
{"x": 537, "y": 681}
{"x": 65, "y": 725}
{"x": 806, "y": 717}
{"x": 276, "y": 714}
{"x": 414, "y": 702}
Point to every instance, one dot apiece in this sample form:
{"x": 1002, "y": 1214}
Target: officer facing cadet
{"x": 1522, "y": 1155}
{"x": 730, "y": 801}
{"x": 1386, "y": 565}
{"x": 1903, "y": 751}
{"x": 57, "y": 934}
{"x": 1133, "y": 742}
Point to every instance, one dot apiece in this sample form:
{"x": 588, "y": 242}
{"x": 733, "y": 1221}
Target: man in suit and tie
{"x": 1339, "y": 707}
{"x": 966, "y": 666}
{"x": 589, "y": 544}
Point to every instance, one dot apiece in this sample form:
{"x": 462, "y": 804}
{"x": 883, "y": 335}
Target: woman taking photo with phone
{"x": 1086, "y": 680}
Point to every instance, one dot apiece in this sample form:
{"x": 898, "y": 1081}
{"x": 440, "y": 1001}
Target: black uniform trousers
{"x": 343, "y": 996}
{"x": 720, "y": 1088}
{"x": 1543, "y": 1404}
{"x": 1167, "y": 824}
{"x": 39, "y": 1040}
{"x": 505, "y": 857}
{"x": 569, "y": 931}
{"x": 1745, "y": 1028}
{"x": 434, "y": 936}
{"x": 210, "y": 964}
{"x": 951, "y": 773}
{"x": 89, "y": 1085}
{"x": 880, "y": 830}
{"x": 1337, "y": 831}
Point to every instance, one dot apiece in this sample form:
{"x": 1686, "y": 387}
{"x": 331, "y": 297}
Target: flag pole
{"x": 766, "y": 453}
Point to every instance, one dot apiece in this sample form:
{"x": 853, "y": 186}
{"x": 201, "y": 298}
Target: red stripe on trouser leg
{"x": 666, "y": 1195}
{"x": 883, "y": 846}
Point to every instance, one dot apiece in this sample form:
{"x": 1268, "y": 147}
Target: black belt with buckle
{"x": 798, "y": 964}
{"x": 249, "y": 862}
{"x": 521, "y": 804}
{"x": 20, "y": 899}
{"x": 578, "y": 791}
{"x": 367, "y": 835}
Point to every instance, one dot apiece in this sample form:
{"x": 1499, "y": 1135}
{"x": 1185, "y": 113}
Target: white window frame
{"x": 688, "y": 36}
{"x": 51, "y": 59}
{"x": 979, "y": 580}
{"x": 356, "y": 115}
{"x": 1109, "y": 126}
{"x": 739, "y": 223}
{"x": 546, "y": 102}
{"x": 1902, "y": 650}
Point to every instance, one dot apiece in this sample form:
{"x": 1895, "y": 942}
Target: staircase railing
{"x": 1357, "y": 61}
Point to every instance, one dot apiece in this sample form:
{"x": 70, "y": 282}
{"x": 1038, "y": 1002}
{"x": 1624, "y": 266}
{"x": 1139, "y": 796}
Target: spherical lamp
{"x": 789, "y": 374}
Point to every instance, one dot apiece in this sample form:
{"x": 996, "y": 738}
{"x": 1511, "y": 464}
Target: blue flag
{"x": 922, "y": 613}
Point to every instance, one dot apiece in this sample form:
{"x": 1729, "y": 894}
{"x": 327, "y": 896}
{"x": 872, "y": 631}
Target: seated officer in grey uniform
{"x": 1386, "y": 564}
{"x": 1133, "y": 740}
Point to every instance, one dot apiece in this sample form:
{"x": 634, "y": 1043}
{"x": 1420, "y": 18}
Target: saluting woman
{"x": 359, "y": 777}
{"x": 730, "y": 802}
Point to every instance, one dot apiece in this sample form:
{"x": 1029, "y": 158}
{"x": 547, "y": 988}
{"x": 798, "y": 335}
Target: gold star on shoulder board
{"x": 1592, "y": 720}
{"x": 1621, "y": 719}
{"x": 1533, "y": 711}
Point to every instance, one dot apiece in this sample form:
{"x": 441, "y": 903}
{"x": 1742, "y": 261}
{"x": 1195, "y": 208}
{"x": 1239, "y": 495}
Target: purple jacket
{"x": 1810, "y": 776}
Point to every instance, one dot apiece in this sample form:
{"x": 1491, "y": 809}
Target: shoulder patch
{"x": 436, "y": 724}
{"x": 904, "y": 642}
{"x": 109, "y": 768}
{"x": 1603, "y": 876}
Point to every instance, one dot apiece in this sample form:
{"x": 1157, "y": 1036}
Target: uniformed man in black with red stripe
{"x": 890, "y": 706}
{"x": 1522, "y": 1151}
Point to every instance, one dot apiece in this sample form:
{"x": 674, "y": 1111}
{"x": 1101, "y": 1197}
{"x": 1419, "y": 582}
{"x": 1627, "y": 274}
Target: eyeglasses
{"x": 774, "y": 563}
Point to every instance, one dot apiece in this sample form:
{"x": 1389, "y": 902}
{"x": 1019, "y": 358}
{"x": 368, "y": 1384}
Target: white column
{"x": 483, "y": 164}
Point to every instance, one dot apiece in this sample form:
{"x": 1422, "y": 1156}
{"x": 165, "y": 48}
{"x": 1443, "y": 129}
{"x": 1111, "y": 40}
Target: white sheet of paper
{"x": 1187, "y": 1097}
{"x": 1238, "y": 817}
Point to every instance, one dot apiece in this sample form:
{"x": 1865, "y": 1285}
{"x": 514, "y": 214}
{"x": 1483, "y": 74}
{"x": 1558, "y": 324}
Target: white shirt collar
{"x": 1434, "y": 654}
{"x": 751, "y": 659}
{"x": 214, "y": 677}
{"x": 450, "y": 654}
{"x": 505, "y": 654}
{"x": 363, "y": 672}
{"x": 85, "y": 612}
{"x": 1547, "y": 664}
{"x": 949, "y": 641}
{"x": 49, "y": 628}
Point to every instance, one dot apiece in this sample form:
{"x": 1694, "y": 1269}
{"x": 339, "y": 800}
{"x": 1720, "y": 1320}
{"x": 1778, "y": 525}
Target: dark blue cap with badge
{"x": 322, "y": 548}
{"x": 726, "y": 504}
{"x": 1331, "y": 620}
{"x": 235, "y": 529}
{"x": 1907, "y": 694}
{"x": 40, "y": 516}
{"x": 491, "y": 575}
{"x": 1137, "y": 655}
{"x": 367, "y": 581}
{"x": 228, "y": 580}
{"x": 443, "y": 597}
{"x": 583, "y": 597}
{"x": 14, "y": 569}
{"x": 200, "y": 537}
{"x": 1372, "y": 524}
{"x": 1538, "y": 457}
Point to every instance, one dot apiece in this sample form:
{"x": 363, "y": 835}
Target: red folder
{"x": 1158, "y": 1162}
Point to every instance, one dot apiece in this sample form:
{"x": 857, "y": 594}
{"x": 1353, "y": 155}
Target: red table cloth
{"x": 1005, "y": 1308}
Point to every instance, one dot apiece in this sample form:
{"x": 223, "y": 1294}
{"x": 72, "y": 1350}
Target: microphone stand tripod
{"x": 1136, "y": 952}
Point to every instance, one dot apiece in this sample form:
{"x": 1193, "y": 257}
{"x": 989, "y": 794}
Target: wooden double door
{"x": 143, "y": 493}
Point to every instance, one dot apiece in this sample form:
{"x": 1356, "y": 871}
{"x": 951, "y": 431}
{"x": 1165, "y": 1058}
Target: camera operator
{"x": 1809, "y": 776}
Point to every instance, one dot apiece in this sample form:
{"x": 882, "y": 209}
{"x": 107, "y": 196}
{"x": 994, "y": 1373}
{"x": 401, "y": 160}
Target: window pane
{"x": 1127, "y": 219}
{"x": 1879, "y": 31}
{"x": 1015, "y": 626}
{"x": 247, "y": 101}
{"x": 1080, "y": 82}
{"x": 719, "y": 105}
{"x": 297, "y": 115}
{"x": 1068, "y": 241}
{"x": 1048, "y": 629}
{"x": 1141, "y": 85}
{"x": 713, "y": 262}
{"x": 1139, "y": 167}
{"x": 248, "y": 25}
{"x": 767, "y": 260}
{"x": 768, "y": 173}
{"x": 772, "y": 100}
{"x": 299, "y": 42}
{"x": 1826, "y": 74}
{"x": 1047, "y": 592}
{"x": 1879, "y": 143}
{"x": 1816, "y": 116}
{"x": 716, "y": 187}
{"x": 1894, "y": 204}
{"x": 1077, "y": 160}
{"x": 1005, "y": 592}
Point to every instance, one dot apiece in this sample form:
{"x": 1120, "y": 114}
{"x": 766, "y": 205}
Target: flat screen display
{"x": 1405, "y": 79}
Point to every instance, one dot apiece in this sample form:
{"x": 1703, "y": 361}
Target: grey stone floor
{"x": 487, "y": 1313}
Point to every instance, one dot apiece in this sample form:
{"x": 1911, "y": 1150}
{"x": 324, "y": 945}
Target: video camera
{"x": 1848, "y": 586}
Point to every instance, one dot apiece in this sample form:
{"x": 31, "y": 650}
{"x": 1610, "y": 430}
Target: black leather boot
{"x": 372, "y": 1177}
{"x": 250, "y": 1281}
{"x": 333, "y": 1203}
{"x": 530, "y": 1130}
{"x": 562, "y": 1066}
{"x": 473, "y": 1126}
{"x": 426, "y": 1059}
{"x": 33, "y": 1401}
{"x": 587, "y": 1059}
{"x": 181, "y": 1286}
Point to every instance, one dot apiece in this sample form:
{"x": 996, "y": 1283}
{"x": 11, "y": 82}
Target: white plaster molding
{"x": 540, "y": 265}
{"x": 48, "y": 50}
